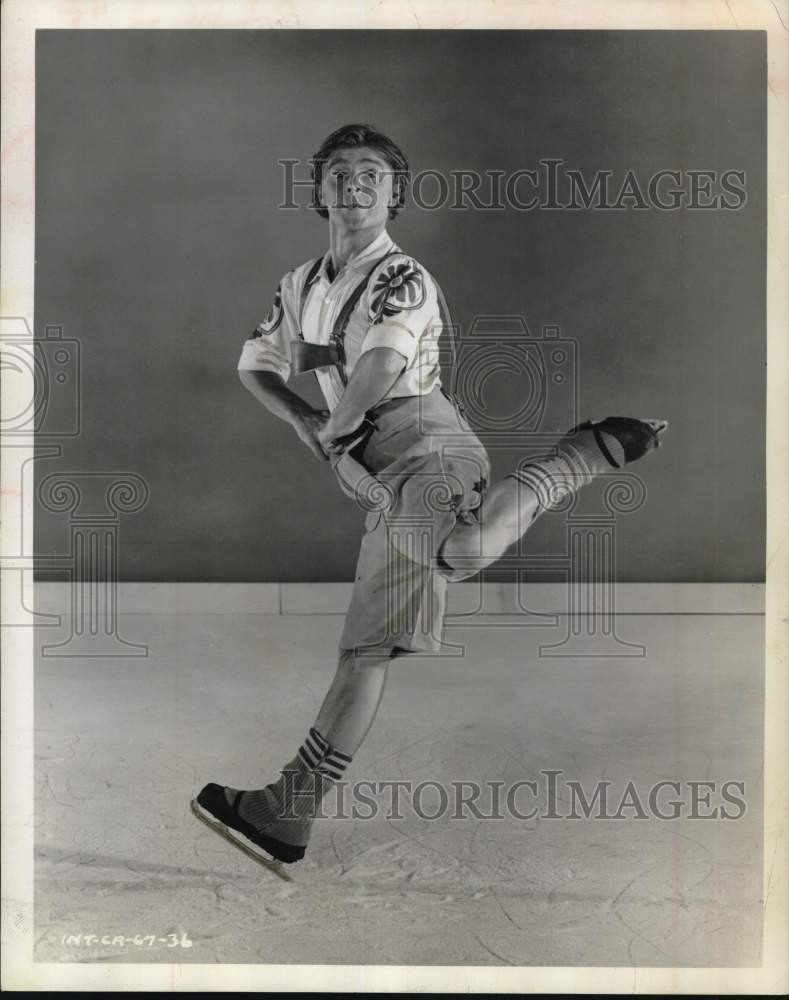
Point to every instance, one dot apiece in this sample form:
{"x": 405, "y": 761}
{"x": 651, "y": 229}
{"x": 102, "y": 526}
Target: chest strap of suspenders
{"x": 306, "y": 356}
{"x": 300, "y": 351}
{"x": 309, "y": 281}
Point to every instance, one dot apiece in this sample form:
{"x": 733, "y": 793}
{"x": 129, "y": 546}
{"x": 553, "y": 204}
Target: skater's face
{"x": 356, "y": 189}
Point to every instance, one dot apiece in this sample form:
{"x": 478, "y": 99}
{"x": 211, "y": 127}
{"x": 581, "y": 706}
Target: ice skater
{"x": 366, "y": 318}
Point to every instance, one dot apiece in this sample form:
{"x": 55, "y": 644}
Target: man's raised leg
{"x": 512, "y": 505}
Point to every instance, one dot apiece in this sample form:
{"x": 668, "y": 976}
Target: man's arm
{"x": 373, "y": 376}
{"x": 270, "y": 389}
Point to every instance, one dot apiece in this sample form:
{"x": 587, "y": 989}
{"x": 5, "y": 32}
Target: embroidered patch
{"x": 400, "y": 287}
{"x": 274, "y": 317}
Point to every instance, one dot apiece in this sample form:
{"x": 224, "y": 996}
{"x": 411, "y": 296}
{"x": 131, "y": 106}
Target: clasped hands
{"x": 323, "y": 433}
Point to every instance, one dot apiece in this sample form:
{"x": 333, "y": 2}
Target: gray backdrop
{"x": 159, "y": 245}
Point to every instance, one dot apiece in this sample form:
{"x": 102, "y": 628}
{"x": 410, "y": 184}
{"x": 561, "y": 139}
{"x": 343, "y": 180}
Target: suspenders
{"x": 337, "y": 336}
{"x": 309, "y": 281}
{"x": 335, "y": 352}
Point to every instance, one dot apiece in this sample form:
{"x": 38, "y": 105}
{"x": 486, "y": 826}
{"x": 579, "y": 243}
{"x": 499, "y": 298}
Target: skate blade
{"x": 239, "y": 840}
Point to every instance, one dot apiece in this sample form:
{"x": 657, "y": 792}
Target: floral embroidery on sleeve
{"x": 400, "y": 287}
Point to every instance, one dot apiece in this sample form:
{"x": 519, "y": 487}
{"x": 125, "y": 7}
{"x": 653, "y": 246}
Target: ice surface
{"x": 122, "y": 745}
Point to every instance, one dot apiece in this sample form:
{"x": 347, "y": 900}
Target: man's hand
{"x": 330, "y": 433}
{"x": 308, "y": 425}
{"x": 374, "y": 375}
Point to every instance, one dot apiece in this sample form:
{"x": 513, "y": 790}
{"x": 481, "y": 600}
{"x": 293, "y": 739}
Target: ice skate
{"x": 212, "y": 807}
{"x": 619, "y": 441}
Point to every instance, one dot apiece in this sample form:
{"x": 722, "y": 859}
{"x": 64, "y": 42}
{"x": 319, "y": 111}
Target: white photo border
{"x": 20, "y": 20}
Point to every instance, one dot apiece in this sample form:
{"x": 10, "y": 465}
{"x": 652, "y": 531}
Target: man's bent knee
{"x": 460, "y": 554}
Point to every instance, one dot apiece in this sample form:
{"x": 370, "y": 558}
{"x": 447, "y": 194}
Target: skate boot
{"x": 273, "y": 824}
{"x": 619, "y": 440}
{"x": 213, "y": 807}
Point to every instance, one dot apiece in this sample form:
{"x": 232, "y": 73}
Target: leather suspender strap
{"x": 309, "y": 281}
{"x": 337, "y": 336}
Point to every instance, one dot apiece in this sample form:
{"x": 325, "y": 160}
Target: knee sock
{"x": 554, "y": 477}
{"x": 287, "y": 808}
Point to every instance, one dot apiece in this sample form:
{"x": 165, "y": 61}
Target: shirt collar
{"x": 362, "y": 259}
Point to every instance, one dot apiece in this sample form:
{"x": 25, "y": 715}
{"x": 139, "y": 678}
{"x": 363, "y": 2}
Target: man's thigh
{"x": 398, "y": 601}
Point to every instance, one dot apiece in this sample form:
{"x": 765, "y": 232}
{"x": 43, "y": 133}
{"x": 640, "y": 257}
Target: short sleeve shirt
{"x": 398, "y": 309}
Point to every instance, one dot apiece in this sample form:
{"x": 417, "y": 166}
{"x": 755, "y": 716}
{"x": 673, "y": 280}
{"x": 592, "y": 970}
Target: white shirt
{"x": 398, "y": 309}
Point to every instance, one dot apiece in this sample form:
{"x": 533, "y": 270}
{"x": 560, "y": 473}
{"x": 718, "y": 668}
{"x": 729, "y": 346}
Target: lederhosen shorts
{"x": 431, "y": 471}
{"x": 419, "y": 471}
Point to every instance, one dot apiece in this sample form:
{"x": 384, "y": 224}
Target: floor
{"x": 123, "y": 744}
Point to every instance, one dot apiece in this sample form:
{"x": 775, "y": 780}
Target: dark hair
{"x": 349, "y": 137}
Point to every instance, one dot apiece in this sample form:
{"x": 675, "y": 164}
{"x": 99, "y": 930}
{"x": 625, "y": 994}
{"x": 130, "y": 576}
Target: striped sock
{"x": 318, "y": 755}
{"x": 287, "y": 808}
{"x": 553, "y": 478}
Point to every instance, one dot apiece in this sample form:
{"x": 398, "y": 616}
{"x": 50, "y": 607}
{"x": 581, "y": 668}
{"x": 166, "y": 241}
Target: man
{"x": 367, "y": 317}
